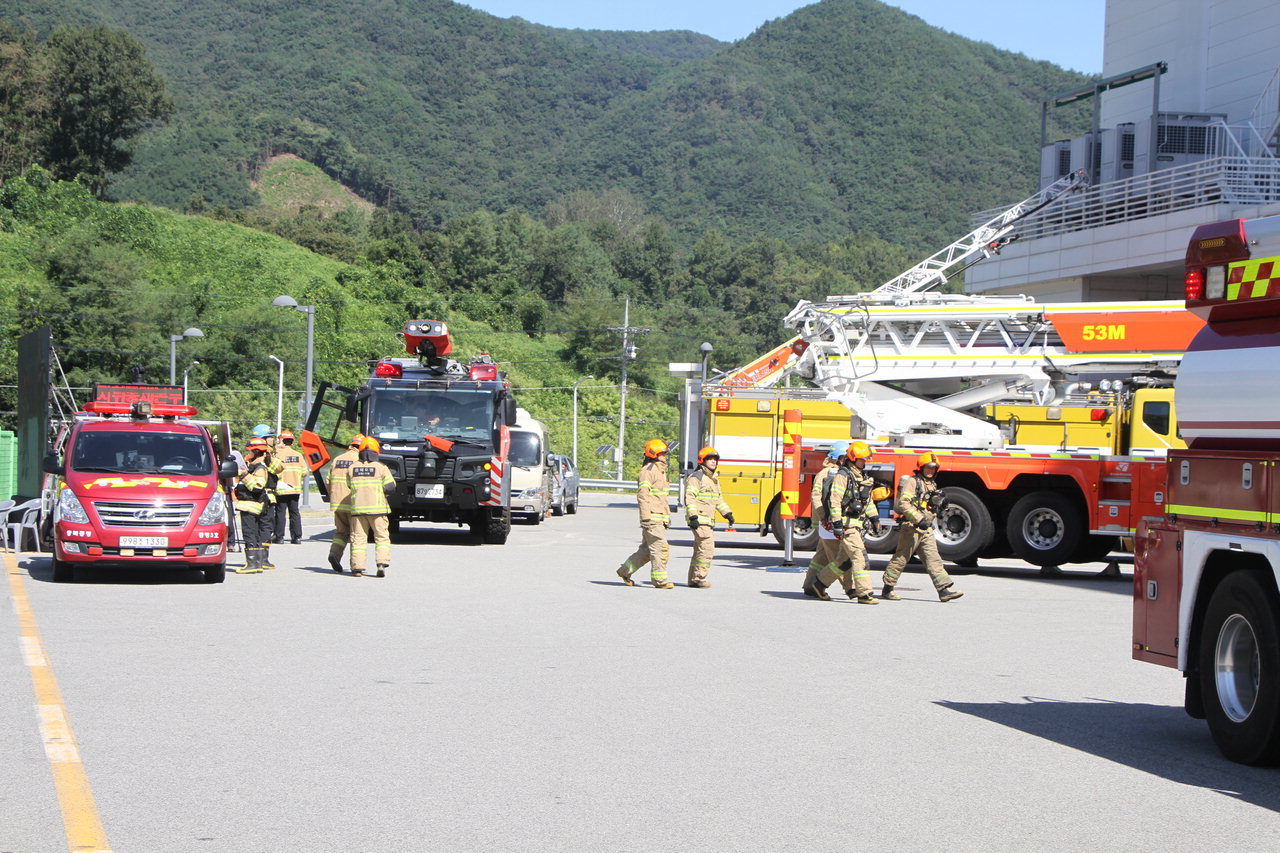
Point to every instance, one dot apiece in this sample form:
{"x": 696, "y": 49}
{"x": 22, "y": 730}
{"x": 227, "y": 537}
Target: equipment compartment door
{"x": 1157, "y": 589}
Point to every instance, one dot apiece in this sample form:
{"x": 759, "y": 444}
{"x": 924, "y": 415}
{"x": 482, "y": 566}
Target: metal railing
{"x": 1237, "y": 181}
{"x": 616, "y": 485}
{"x": 1266, "y": 110}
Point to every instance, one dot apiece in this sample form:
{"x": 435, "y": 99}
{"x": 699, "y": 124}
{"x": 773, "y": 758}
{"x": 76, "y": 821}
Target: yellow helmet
{"x": 371, "y": 443}
{"x": 927, "y": 458}
{"x": 653, "y": 447}
{"x": 859, "y": 450}
{"x": 881, "y": 493}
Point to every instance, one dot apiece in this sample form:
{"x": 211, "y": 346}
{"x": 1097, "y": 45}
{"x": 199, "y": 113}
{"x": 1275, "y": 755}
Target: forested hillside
{"x": 847, "y": 115}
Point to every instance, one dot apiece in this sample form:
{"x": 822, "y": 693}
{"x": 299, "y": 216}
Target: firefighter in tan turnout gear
{"x": 293, "y": 470}
{"x": 702, "y": 501}
{"x": 848, "y": 500}
{"x": 824, "y": 556}
{"x": 652, "y": 490}
{"x": 919, "y": 500}
{"x": 338, "y": 492}
{"x": 368, "y": 483}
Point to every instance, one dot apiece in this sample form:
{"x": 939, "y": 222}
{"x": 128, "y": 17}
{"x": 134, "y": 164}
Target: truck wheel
{"x": 215, "y": 574}
{"x": 496, "y": 527}
{"x": 393, "y": 524}
{"x": 886, "y": 542}
{"x": 1093, "y": 548}
{"x": 63, "y": 572}
{"x": 804, "y": 536}
{"x": 1239, "y": 653}
{"x": 964, "y": 527}
{"x": 1045, "y": 528}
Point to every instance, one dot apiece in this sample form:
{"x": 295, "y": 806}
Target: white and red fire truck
{"x": 1206, "y": 587}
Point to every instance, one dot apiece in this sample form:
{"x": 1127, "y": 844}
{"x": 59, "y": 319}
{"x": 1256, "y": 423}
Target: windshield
{"x": 526, "y": 449}
{"x": 105, "y": 451}
{"x": 411, "y": 413}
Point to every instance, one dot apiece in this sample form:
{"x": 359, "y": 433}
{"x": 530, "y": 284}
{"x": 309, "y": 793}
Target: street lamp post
{"x": 173, "y": 351}
{"x": 279, "y": 393}
{"x": 575, "y": 419}
{"x": 286, "y": 301}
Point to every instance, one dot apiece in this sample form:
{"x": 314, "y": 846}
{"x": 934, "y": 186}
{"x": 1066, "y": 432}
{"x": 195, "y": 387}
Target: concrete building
{"x": 1186, "y": 131}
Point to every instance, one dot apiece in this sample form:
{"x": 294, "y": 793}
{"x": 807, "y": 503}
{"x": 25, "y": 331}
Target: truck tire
{"x": 1239, "y": 655}
{"x": 964, "y": 528}
{"x": 63, "y": 572}
{"x": 804, "y": 536}
{"x": 1094, "y": 548}
{"x": 493, "y": 527}
{"x": 215, "y": 574}
{"x": 886, "y": 542}
{"x": 1045, "y": 528}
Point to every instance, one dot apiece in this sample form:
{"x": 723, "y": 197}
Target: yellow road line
{"x": 79, "y": 812}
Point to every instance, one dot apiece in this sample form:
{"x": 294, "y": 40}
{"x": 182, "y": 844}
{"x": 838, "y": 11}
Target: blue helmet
{"x": 838, "y": 450}
{"x": 262, "y": 431}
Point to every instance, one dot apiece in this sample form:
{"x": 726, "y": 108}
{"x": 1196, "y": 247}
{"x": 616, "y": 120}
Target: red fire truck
{"x": 136, "y": 482}
{"x": 1205, "y": 593}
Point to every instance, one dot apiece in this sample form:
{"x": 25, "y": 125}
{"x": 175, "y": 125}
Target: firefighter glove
{"x": 693, "y": 524}
{"x": 923, "y": 524}
{"x": 729, "y": 518}
{"x": 838, "y": 529}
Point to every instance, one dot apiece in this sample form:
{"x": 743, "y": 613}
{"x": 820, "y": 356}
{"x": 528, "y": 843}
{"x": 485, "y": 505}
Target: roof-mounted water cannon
{"x": 427, "y": 339}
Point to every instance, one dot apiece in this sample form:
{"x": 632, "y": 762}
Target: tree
{"x": 103, "y": 92}
{"x": 24, "y": 100}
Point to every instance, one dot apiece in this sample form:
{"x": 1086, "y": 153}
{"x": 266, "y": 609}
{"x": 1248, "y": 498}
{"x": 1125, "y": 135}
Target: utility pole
{"x": 628, "y": 353}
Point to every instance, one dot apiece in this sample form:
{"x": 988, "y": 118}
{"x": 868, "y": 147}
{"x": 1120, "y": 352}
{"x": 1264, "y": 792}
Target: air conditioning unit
{"x": 1055, "y": 161}
{"x": 1179, "y": 140}
{"x": 1117, "y": 153}
{"x": 1086, "y": 153}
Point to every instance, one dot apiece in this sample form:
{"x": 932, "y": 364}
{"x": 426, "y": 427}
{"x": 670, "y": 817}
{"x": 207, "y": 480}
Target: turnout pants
{"x": 364, "y": 528}
{"x": 704, "y": 548}
{"x": 288, "y": 511}
{"x": 653, "y": 550}
{"x": 912, "y": 541}
{"x": 341, "y": 533}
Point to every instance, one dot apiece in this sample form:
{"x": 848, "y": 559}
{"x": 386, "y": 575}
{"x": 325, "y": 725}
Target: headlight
{"x": 533, "y": 493}
{"x": 70, "y": 509}
{"x": 215, "y": 512}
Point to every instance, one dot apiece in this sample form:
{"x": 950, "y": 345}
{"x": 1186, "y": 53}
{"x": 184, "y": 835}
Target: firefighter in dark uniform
{"x": 256, "y": 512}
{"x": 338, "y": 492}
{"x": 919, "y": 500}
{"x": 293, "y": 468}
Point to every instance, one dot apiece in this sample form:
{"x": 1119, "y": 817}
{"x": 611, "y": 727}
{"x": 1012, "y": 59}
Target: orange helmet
{"x": 371, "y": 443}
{"x": 927, "y": 458}
{"x": 859, "y": 450}
{"x": 706, "y": 452}
{"x": 653, "y": 447}
{"x": 257, "y": 444}
{"x": 356, "y": 441}
{"x": 286, "y": 433}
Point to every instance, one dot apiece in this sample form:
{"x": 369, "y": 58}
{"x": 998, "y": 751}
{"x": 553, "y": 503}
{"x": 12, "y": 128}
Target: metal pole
{"x": 173, "y": 358}
{"x": 622, "y": 410}
{"x": 279, "y": 393}
{"x": 575, "y": 417}
{"x": 306, "y": 394}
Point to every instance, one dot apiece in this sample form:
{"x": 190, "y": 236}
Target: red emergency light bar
{"x": 427, "y": 338}
{"x": 388, "y": 370}
{"x": 139, "y": 409}
{"x": 483, "y": 372}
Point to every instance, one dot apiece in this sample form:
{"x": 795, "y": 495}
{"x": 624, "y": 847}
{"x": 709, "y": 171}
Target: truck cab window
{"x": 1156, "y": 416}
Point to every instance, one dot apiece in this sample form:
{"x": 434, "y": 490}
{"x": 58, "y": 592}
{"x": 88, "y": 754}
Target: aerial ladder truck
{"x": 1052, "y": 421}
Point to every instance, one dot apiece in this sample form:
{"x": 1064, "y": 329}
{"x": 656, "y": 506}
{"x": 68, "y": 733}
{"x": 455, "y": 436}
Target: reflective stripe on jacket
{"x": 368, "y": 483}
{"x": 815, "y": 494}
{"x": 652, "y": 491}
{"x": 338, "y": 488}
{"x": 255, "y": 478}
{"x": 702, "y": 497}
{"x": 294, "y": 470}
{"x": 913, "y": 498}
{"x": 861, "y": 484}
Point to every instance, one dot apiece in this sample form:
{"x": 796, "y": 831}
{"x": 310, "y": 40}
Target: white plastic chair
{"x": 6, "y": 507}
{"x": 29, "y": 520}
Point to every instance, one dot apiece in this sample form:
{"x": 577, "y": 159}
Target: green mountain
{"x": 846, "y": 116}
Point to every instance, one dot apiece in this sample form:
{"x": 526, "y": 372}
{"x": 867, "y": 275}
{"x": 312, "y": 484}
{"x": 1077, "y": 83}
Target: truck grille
{"x": 142, "y": 514}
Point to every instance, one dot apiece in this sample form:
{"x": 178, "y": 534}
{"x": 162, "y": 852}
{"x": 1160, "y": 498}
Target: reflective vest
{"x": 251, "y": 492}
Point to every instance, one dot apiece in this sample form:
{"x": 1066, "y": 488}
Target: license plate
{"x": 144, "y": 542}
{"x": 434, "y": 490}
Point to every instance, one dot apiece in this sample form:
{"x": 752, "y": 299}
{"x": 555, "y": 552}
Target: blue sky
{"x": 1072, "y": 39}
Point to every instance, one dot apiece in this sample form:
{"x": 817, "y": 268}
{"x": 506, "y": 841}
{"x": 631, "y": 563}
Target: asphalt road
{"x": 520, "y": 698}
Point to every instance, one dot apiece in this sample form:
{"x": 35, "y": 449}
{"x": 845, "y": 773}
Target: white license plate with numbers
{"x": 144, "y": 542}
{"x": 434, "y": 490}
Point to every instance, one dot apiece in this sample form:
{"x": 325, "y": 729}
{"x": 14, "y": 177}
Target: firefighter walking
{"x": 919, "y": 500}
{"x": 848, "y": 501}
{"x": 257, "y": 514}
{"x": 652, "y": 495}
{"x": 703, "y": 500}
{"x": 824, "y": 556}
{"x": 338, "y": 491}
{"x": 293, "y": 468}
{"x": 368, "y": 482}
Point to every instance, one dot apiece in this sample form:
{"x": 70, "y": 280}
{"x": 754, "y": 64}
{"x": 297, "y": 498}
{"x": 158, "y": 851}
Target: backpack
{"x": 854, "y": 501}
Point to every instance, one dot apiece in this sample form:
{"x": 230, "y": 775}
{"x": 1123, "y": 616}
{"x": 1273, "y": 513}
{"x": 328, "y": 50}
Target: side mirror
{"x": 509, "y": 411}
{"x": 228, "y": 469}
{"x": 50, "y": 465}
